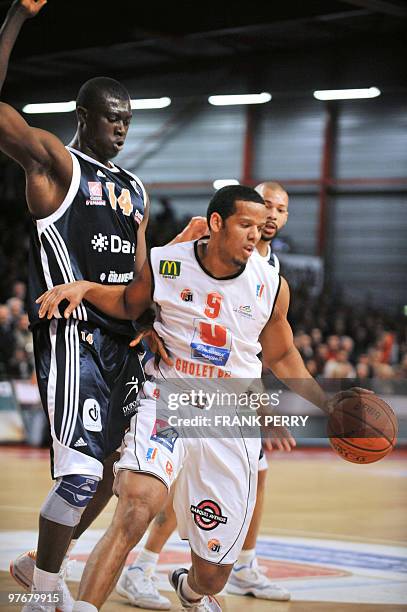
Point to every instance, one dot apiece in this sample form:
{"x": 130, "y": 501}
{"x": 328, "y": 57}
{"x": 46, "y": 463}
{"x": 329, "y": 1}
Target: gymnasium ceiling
{"x": 73, "y": 40}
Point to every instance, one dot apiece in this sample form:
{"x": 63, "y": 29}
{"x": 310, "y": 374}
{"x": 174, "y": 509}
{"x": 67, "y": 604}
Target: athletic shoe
{"x": 22, "y": 570}
{"x": 249, "y": 580}
{"x": 208, "y": 603}
{"x": 139, "y": 587}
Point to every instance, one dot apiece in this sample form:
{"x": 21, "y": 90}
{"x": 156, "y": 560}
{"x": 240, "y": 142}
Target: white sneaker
{"x": 22, "y": 570}
{"x": 249, "y": 580}
{"x": 139, "y": 587}
{"x": 208, "y": 603}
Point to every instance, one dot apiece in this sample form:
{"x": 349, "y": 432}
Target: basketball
{"x": 362, "y": 429}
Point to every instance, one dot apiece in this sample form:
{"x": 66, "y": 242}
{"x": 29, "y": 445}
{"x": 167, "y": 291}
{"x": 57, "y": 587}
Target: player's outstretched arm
{"x": 120, "y": 302}
{"x": 281, "y": 356}
{"x": 47, "y": 164}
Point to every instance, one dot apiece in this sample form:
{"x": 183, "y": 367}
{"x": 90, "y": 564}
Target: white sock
{"x": 186, "y": 591}
{"x": 246, "y": 557}
{"x": 147, "y": 560}
{"x": 44, "y": 581}
{"x": 84, "y": 606}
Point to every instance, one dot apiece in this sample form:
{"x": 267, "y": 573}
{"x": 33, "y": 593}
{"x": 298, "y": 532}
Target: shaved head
{"x": 276, "y": 200}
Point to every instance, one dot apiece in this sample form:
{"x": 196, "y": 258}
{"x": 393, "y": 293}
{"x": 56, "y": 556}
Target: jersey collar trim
{"x": 220, "y": 278}
{"x": 112, "y": 168}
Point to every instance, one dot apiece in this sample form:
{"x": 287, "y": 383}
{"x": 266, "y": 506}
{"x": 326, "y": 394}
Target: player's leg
{"x": 140, "y": 497}
{"x": 246, "y": 577}
{"x": 137, "y": 582}
{"x": 214, "y": 501}
{"x": 102, "y": 497}
{"x": 199, "y": 585}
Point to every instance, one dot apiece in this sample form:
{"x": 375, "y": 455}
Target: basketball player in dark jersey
{"x": 89, "y": 221}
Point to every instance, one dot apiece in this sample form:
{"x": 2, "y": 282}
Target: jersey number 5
{"x": 213, "y": 304}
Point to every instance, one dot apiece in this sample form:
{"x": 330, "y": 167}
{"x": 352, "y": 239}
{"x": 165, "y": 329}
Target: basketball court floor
{"x": 334, "y": 533}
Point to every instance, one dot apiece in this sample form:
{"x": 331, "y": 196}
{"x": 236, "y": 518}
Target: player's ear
{"x": 82, "y": 115}
{"x": 215, "y": 222}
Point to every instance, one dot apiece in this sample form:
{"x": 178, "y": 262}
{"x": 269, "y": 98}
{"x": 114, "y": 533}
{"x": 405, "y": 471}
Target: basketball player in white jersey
{"x": 198, "y": 287}
{"x": 137, "y": 583}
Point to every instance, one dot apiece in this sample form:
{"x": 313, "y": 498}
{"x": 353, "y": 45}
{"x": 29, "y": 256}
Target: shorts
{"x": 263, "y": 465}
{"x": 216, "y": 479}
{"x": 88, "y": 381}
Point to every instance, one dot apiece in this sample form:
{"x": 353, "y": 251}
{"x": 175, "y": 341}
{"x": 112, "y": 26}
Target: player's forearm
{"x": 114, "y": 301}
{"x": 291, "y": 370}
{"x": 8, "y": 35}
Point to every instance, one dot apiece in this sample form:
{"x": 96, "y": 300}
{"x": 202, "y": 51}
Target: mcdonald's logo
{"x": 170, "y": 269}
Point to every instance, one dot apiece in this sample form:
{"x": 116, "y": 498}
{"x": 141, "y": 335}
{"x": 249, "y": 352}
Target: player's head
{"x": 236, "y": 216}
{"x": 276, "y": 200}
{"x": 104, "y": 114}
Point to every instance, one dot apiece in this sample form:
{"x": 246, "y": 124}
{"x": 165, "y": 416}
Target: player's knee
{"x": 68, "y": 499}
{"x": 136, "y": 514}
{"x": 212, "y": 579}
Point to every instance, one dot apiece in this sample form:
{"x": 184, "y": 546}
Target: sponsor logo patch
{"x": 259, "y": 291}
{"x": 170, "y": 269}
{"x": 187, "y": 295}
{"x": 95, "y": 194}
{"x": 151, "y": 455}
{"x": 208, "y": 515}
{"x": 92, "y": 418}
{"x": 214, "y": 545}
{"x": 245, "y": 311}
{"x": 164, "y": 434}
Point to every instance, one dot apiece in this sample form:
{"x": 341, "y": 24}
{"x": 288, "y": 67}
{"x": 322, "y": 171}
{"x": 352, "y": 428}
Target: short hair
{"x": 224, "y": 200}
{"x": 93, "y": 91}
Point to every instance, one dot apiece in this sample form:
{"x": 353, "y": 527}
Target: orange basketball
{"x": 362, "y": 428}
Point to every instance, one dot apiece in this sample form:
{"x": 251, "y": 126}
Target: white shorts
{"x": 216, "y": 480}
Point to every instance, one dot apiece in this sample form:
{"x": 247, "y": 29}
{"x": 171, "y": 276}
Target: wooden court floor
{"x": 309, "y": 495}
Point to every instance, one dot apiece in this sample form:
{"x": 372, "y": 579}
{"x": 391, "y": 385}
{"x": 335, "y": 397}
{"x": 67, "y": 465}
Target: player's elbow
{"x": 278, "y": 360}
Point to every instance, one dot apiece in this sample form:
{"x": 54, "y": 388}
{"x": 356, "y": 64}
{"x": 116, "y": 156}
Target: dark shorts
{"x": 88, "y": 381}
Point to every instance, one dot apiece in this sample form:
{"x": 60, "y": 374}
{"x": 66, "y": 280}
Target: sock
{"x": 147, "y": 560}
{"x": 84, "y": 606}
{"x": 44, "y": 581}
{"x": 246, "y": 557}
{"x": 186, "y": 591}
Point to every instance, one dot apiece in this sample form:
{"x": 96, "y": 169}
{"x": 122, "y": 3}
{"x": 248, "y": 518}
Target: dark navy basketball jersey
{"x": 273, "y": 260}
{"x": 92, "y": 236}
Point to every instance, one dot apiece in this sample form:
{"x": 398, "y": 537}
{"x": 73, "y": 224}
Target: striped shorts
{"x": 89, "y": 382}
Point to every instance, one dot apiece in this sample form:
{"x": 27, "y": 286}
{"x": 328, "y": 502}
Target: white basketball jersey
{"x": 211, "y": 326}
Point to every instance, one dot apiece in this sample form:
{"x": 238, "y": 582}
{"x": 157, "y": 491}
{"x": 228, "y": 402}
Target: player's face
{"x": 106, "y": 128}
{"x": 242, "y": 231}
{"x": 277, "y": 212}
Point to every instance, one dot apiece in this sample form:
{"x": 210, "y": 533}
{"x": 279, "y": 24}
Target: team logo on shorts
{"x": 151, "y": 455}
{"x": 91, "y": 415}
{"x": 170, "y": 269}
{"x": 164, "y": 434}
{"x": 208, "y": 515}
{"x": 214, "y": 545}
{"x": 169, "y": 469}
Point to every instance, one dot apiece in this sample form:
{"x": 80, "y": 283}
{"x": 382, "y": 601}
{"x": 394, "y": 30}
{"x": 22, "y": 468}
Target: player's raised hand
{"x": 50, "y": 300}
{"x": 30, "y": 8}
{"x": 195, "y": 229}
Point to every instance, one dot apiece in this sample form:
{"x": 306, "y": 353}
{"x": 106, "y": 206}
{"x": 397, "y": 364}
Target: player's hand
{"x": 72, "y": 292}
{"x": 30, "y": 8}
{"x": 196, "y": 228}
{"x": 155, "y": 344}
{"x": 334, "y": 401}
{"x": 280, "y": 438}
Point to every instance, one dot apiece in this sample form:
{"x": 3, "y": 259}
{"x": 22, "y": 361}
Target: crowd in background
{"x": 335, "y": 339}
